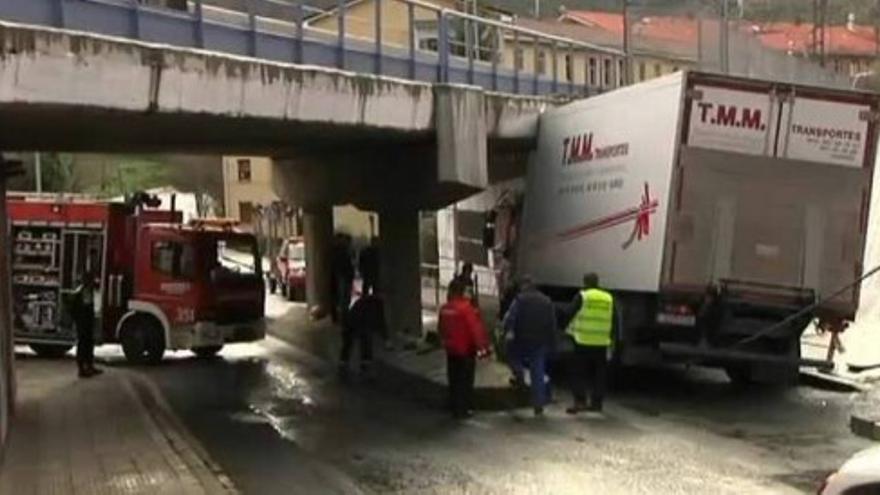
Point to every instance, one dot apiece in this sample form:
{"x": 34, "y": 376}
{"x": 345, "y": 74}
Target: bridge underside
{"x": 392, "y": 146}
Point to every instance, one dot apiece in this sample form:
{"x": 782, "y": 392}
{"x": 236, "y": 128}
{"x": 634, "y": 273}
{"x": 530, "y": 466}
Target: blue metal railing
{"x": 440, "y": 45}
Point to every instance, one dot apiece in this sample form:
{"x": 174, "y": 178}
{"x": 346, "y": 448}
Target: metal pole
{"x": 200, "y": 24}
{"x": 443, "y": 66}
{"x": 723, "y": 45}
{"x": 38, "y": 172}
{"x": 627, "y": 56}
{"x": 340, "y": 34}
{"x": 410, "y": 12}
{"x": 378, "y": 25}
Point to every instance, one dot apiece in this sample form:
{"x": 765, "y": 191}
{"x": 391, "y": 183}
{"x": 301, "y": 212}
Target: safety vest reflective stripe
{"x": 592, "y": 325}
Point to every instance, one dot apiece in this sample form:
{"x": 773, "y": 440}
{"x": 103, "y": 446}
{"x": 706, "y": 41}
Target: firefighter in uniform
{"x": 591, "y": 329}
{"x": 84, "y": 320}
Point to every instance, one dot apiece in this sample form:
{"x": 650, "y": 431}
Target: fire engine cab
{"x": 159, "y": 284}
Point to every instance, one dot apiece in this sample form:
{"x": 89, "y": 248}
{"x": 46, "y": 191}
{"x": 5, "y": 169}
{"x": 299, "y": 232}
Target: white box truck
{"x": 713, "y": 207}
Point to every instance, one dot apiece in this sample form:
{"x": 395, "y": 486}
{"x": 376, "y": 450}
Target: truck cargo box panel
{"x": 768, "y": 220}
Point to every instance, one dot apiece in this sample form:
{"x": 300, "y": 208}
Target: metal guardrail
{"x": 465, "y": 49}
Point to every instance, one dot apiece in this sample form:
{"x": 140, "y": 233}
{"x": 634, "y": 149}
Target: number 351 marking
{"x": 185, "y": 315}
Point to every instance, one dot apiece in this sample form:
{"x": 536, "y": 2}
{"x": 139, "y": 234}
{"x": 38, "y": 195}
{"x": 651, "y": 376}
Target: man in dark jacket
{"x": 365, "y": 318}
{"x": 368, "y": 265}
{"x": 532, "y": 320}
{"x": 342, "y": 274}
{"x": 83, "y": 310}
{"x": 465, "y": 339}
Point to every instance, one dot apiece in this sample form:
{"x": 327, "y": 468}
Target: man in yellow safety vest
{"x": 591, "y": 329}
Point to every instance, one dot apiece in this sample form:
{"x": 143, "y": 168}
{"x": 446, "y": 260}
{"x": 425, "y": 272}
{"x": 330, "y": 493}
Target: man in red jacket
{"x": 465, "y": 340}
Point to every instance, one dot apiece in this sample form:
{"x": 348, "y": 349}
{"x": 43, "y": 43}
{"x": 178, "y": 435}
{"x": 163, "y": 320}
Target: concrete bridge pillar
{"x": 318, "y": 237}
{"x": 399, "y": 270}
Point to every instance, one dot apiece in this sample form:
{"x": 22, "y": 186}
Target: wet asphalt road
{"x": 278, "y": 421}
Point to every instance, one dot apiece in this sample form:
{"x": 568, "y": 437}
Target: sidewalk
{"x": 857, "y": 368}
{"x": 112, "y": 434}
{"x": 865, "y": 420}
{"x": 418, "y": 372}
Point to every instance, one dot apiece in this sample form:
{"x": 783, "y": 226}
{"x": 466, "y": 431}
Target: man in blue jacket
{"x": 532, "y": 320}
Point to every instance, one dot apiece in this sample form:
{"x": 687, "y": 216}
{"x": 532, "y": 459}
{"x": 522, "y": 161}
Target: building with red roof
{"x": 850, "y": 49}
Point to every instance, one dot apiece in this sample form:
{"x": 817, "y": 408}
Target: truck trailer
{"x": 725, "y": 214}
{"x": 159, "y": 284}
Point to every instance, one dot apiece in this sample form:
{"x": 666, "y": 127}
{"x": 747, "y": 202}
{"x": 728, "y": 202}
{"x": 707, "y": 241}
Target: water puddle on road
{"x": 284, "y": 400}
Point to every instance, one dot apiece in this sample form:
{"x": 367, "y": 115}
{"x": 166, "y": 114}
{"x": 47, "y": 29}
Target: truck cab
{"x": 194, "y": 287}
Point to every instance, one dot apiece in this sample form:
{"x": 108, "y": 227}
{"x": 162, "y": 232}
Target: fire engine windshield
{"x": 237, "y": 255}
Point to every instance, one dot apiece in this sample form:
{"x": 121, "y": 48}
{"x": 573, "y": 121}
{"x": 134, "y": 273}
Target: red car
{"x": 291, "y": 269}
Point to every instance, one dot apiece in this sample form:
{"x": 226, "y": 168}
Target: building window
{"x": 173, "y": 259}
{"x": 643, "y": 71}
{"x": 592, "y": 68}
{"x": 658, "y": 70}
{"x": 246, "y": 212}
{"x": 427, "y": 35}
{"x": 621, "y": 72}
{"x": 518, "y": 58}
{"x": 244, "y": 170}
{"x": 541, "y": 63}
{"x": 607, "y": 73}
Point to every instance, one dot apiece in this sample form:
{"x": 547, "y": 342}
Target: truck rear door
{"x": 772, "y": 188}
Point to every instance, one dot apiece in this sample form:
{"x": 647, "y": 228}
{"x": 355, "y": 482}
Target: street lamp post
{"x": 627, "y": 44}
{"x": 724, "y": 56}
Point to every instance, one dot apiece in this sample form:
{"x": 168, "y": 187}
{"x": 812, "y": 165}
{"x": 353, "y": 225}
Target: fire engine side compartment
{"x": 52, "y": 243}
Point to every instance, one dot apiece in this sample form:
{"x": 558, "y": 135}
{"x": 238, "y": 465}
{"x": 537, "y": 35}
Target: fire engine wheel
{"x": 51, "y": 351}
{"x": 207, "y": 351}
{"x": 142, "y": 340}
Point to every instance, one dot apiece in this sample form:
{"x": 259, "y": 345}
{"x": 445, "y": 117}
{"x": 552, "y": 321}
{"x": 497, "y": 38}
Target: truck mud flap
{"x": 720, "y": 355}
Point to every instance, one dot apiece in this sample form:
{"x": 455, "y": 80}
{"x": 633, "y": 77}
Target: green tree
{"x": 59, "y": 173}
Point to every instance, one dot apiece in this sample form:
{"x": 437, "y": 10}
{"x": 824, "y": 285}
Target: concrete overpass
{"x": 386, "y": 144}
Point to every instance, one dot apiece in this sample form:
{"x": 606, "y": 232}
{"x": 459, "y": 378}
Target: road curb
{"x": 827, "y": 381}
{"x": 865, "y": 428}
{"x": 865, "y": 418}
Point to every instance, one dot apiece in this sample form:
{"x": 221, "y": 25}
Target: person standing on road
{"x": 83, "y": 312}
{"x": 468, "y": 282}
{"x": 342, "y": 275}
{"x": 532, "y": 321}
{"x": 366, "y": 317}
{"x": 465, "y": 339}
{"x": 368, "y": 264}
{"x": 591, "y": 329}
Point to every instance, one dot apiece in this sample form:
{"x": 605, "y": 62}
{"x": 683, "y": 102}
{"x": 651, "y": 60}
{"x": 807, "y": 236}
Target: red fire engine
{"x": 160, "y": 285}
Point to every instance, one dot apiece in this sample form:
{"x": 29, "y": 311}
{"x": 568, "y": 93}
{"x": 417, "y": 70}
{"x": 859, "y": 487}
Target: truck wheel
{"x": 142, "y": 340}
{"x": 51, "y": 351}
{"x": 740, "y": 376}
{"x": 207, "y": 351}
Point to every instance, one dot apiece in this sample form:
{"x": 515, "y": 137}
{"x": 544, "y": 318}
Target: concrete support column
{"x": 399, "y": 271}
{"x": 318, "y": 236}
{"x": 7, "y": 376}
